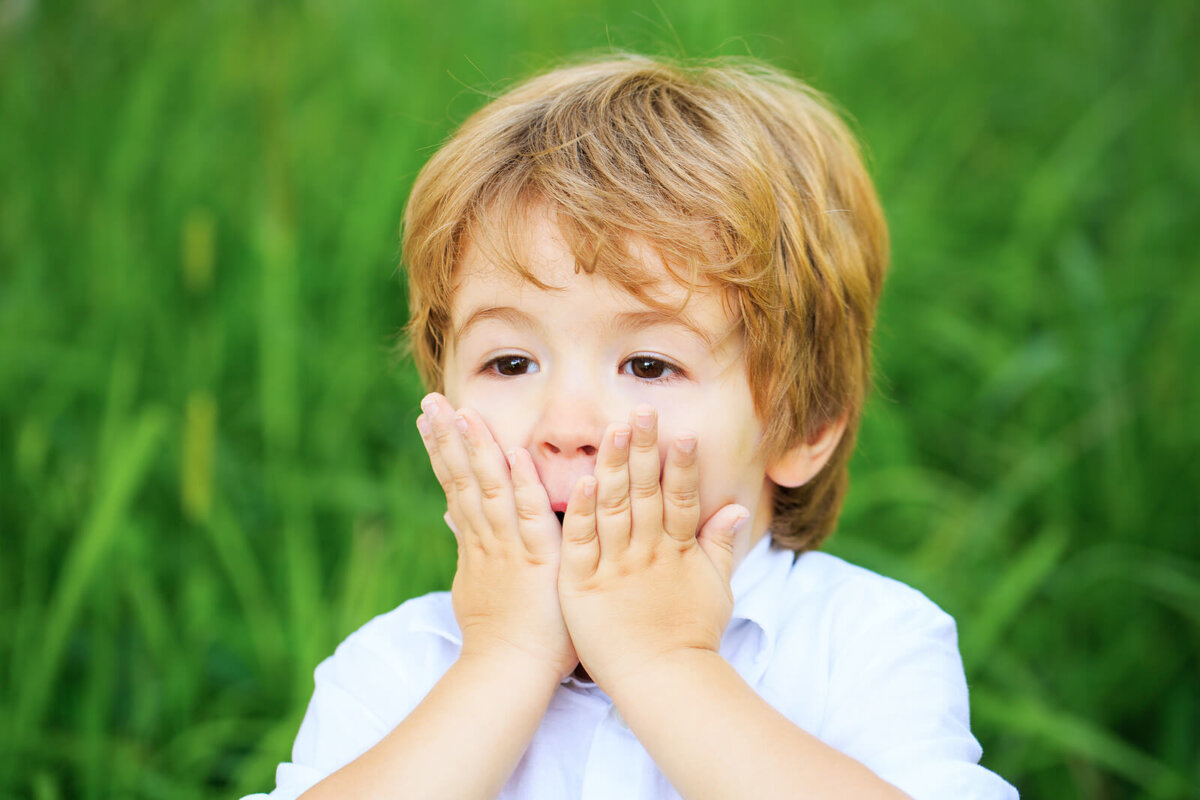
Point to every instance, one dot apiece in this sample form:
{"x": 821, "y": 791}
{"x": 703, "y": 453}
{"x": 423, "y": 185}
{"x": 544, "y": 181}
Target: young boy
{"x": 644, "y": 293}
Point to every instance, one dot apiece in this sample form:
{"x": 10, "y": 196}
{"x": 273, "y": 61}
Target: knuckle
{"x": 643, "y": 490}
{"x": 628, "y": 568}
{"x": 537, "y": 559}
{"x": 647, "y": 445}
{"x": 616, "y": 504}
{"x": 441, "y": 435}
{"x": 613, "y": 461}
{"x": 471, "y": 547}
{"x": 491, "y": 490}
{"x": 612, "y": 471}
{"x": 462, "y": 481}
{"x": 527, "y": 513}
{"x": 649, "y": 557}
{"x": 580, "y": 534}
{"x": 682, "y": 496}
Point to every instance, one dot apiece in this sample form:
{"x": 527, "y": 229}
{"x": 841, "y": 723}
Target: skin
{"x": 643, "y": 435}
{"x": 556, "y": 378}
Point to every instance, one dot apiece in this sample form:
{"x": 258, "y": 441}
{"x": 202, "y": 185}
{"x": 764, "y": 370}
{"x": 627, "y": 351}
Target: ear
{"x": 799, "y": 465}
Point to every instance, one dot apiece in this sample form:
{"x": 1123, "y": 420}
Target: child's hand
{"x": 509, "y": 541}
{"x": 637, "y": 582}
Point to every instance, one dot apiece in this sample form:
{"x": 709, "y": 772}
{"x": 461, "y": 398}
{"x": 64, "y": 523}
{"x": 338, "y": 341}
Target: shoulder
{"x": 818, "y": 572}
{"x": 428, "y": 615}
{"x": 368, "y": 685}
{"x": 884, "y": 660}
{"x": 848, "y": 601}
{"x": 410, "y": 646}
{"x": 870, "y": 625}
{"x": 826, "y": 612}
{"x": 832, "y": 627}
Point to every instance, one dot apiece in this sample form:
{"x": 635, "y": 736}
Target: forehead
{"x": 530, "y": 253}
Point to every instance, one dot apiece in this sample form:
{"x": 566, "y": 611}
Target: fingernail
{"x": 686, "y": 443}
{"x": 510, "y": 455}
{"x": 460, "y": 422}
{"x": 644, "y": 418}
{"x": 430, "y": 406}
{"x": 741, "y": 521}
{"x": 589, "y": 487}
{"x": 621, "y": 438}
{"x": 423, "y": 425}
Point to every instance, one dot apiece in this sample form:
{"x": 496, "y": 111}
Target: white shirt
{"x": 865, "y": 663}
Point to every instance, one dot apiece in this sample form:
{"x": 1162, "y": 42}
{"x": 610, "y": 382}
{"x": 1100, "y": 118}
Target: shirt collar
{"x": 756, "y": 586}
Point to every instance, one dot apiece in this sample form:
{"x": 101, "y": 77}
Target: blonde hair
{"x": 739, "y": 176}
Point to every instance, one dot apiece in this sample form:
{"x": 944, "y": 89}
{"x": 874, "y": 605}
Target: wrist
{"x": 509, "y": 664}
{"x": 636, "y": 675}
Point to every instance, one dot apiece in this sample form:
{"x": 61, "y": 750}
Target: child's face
{"x": 550, "y": 370}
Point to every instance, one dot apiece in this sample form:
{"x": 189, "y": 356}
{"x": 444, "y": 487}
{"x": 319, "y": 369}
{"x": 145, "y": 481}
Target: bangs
{"x": 640, "y": 161}
{"x": 499, "y": 230}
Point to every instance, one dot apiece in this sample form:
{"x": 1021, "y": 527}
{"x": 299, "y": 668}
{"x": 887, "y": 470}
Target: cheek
{"x": 669, "y": 426}
{"x": 508, "y": 419}
{"x": 725, "y": 479}
{"x": 730, "y": 471}
{"x": 712, "y": 465}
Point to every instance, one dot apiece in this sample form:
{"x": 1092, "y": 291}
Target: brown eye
{"x": 648, "y": 368}
{"x": 511, "y": 365}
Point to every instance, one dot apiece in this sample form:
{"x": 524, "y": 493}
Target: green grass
{"x": 208, "y": 469}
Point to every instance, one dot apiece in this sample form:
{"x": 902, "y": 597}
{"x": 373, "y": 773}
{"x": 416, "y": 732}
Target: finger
{"x": 536, "y": 523}
{"x": 613, "y": 518}
{"x": 681, "y": 489}
{"x": 491, "y": 473}
{"x": 425, "y": 428}
{"x": 718, "y": 535}
{"x": 645, "y": 492}
{"x": 459, "y": 483}
{"x": 580, "y": 541}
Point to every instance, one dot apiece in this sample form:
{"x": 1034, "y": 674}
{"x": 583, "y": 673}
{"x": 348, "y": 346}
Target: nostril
{"x": 588, "y": 450}
{"x": 553, "y": 450}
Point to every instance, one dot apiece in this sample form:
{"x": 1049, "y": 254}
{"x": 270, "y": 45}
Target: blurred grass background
{"x": 208, "y": 469}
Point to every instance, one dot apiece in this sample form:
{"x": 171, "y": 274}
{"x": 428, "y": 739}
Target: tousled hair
{"x": 739, "y": 176}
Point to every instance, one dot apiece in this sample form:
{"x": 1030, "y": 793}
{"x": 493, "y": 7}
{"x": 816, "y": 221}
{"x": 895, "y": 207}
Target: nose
{"x": 569, "y": 427}
{"x": 570, "y": 424}
{"x": 583, "y": 449}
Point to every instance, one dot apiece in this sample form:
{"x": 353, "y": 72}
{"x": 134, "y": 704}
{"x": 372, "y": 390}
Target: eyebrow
{"x": 635, "y": 320}
{"x": 654, "y": 317}
{"x": 507, "y": 314}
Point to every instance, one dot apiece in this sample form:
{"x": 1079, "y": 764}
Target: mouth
{"x": 560, "y": 515}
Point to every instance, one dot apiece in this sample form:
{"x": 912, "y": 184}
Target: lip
{"x": 559, "y": 480}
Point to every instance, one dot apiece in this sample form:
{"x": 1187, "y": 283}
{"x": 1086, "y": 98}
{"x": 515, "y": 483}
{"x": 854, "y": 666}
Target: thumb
{"x": 717, "y": 535}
